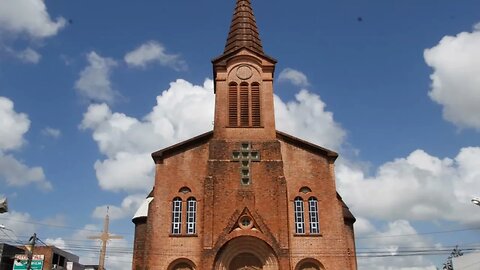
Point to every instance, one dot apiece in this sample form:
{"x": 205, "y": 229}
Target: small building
{"x": 55, "y": 258}
{"x": 51, "y": 257}
{"x": 7, "y": 255}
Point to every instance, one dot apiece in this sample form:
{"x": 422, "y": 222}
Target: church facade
{"x": 244, "y": 196}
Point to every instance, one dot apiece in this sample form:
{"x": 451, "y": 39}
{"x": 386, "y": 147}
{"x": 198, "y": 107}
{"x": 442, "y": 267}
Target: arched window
{"x": 177, "y": 216}
{"x": 181, "y": 264}
{"x": 299, "y": 216}
{"x": 305, "y": 190}
{"x": 308, "y": 266}
{"x": 185, "y": 190}
{"x": 313, "y": 215}
{"x": 191, "y": 216}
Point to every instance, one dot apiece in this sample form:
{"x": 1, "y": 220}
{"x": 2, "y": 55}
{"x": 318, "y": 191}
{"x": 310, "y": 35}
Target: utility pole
{"x": 104, "y": 237}
{"x": 30, "y": 246}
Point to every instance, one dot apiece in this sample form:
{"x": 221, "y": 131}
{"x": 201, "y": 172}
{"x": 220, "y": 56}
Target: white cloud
{"x": 128, "y": 142}
{"x": 455, "y": 80}
{"x": 94, "y": 82}
{"x": 380, "y": 250}
{"x": 154, "y": 52}
{"x": 57, "y": 242}
{"x": 17, "y": 225}
{"x": 127, "y": 208}
{"x": 125, "y": 171}
{"x": 28, "y": 17}
{"x": 119, "y": 251}
{"x": 17, "y": 174}
{"x": 52, "y": 132}
{"x": 29, "y": 56}
{"x": 307, "y": 118}
{"x": 418, "y": 187}
{"x": 13, "y": 125}
{"x": 294, "y": 76}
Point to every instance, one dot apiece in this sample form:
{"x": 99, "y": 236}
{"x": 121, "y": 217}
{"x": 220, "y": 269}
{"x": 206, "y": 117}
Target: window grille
{"x": 299, "y": 217}
{"x": 191, "y": 216}
{"x": 313, "y": 215}
{"x": 177, "y": 216}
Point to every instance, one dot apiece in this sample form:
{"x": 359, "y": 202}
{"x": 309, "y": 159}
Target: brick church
{"x": 244, "y": 196}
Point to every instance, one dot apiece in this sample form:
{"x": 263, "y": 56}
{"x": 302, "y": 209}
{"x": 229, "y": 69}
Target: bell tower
{"x": 244, "y": 196}
{"x": 244, "y": 82}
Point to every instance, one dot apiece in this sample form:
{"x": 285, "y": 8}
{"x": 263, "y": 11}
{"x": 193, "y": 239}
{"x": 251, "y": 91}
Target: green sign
{"x": 21, "y": 263}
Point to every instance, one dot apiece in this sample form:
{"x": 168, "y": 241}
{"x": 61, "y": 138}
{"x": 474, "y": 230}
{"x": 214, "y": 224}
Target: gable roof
{"x": 160, "y": 155}
{"x": 306, "y": 145}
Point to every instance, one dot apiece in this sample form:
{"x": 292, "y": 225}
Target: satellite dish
{"x": 3, "y": 205}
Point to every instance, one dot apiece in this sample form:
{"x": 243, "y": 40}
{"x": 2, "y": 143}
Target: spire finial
{"x": 243, "y": 30}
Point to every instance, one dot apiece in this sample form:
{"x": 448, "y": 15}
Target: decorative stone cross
{"x": 245, "y": 156}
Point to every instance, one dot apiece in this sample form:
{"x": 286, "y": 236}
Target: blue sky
{"x": 89, "y": 88}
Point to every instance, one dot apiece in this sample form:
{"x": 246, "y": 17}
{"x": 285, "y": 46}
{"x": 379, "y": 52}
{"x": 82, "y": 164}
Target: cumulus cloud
{"x": 455, "y": 82}
{"x": 307, "y": 118}
{"x": 127, "y": 142}
{"x": 17, "y": 174}
{"x": 382, "y": 247}
{"x": 154, "y": 52}
{"x": 417, "y": 187}
{"x": 94, "y": 82}
{"x": 57, "y": 242}
{"x": 119, "y": 253}
{"x": 27, "y": 55}
{"x": 127, "y": 208}
{"x": 294, "y": 76}
{"x": 52, "y": 132}
{"x": 13, "y": 125}
{"x": 17, "y": 224}
{"x": 29, "y": 17}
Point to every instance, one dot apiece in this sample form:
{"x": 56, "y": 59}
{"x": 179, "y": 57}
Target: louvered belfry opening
{"x": 255, "y": 104}
{"x": 232, "y": 105}
{"x": 244, "y": 105}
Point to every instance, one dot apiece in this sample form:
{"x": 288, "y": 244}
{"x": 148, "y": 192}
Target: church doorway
{"x": 246, "y": 253}
{"x": 245, "y": 261}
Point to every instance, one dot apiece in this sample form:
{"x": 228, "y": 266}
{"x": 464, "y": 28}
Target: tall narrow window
{"x": 256, "y": 105}
{"x": 232, "y": 105}
{"x": 313, "y": 215}
{"x": 299, "y": 217}
{"x": 177, "y": 216}
{"x": 244, "y": 106}
{"x": 191, "y": 216}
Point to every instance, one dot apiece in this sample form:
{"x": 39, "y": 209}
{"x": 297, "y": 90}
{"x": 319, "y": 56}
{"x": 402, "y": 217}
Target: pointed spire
{"x": 243, "y": 30}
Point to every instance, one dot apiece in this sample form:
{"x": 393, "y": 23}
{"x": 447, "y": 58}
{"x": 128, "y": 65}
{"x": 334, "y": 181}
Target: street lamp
{"x": 476, "y": 200}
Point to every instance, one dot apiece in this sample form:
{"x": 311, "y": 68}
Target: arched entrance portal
{"x": 246, "y": 253}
